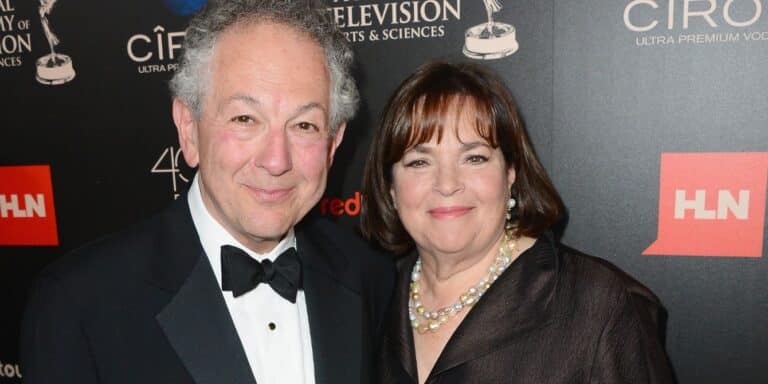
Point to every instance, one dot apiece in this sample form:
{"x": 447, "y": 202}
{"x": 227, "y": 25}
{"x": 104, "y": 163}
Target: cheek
{"x": 492, "y": 186}
{"x": 228, "y": 153}
{"x": 312, "y": 161}
{"x": 409, "y": 190}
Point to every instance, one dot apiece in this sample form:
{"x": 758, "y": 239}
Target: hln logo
{"x": 27, "y": 214}
{"x": 33, "y": 206}
{"x": 711, "y": 204}
{"x": 726, "y": 202}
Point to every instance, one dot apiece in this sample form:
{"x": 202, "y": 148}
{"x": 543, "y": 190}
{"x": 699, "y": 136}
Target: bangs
{"x": 433, "y": 114}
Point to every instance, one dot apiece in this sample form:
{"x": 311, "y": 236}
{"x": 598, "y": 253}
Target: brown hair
{"x": 417, "y": 111}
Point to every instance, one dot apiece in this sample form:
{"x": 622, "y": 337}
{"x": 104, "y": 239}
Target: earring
{"x": 511, "y": 203}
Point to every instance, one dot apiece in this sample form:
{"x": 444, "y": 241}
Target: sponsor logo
{"x": 332, "y": 206}
{"x": 27, "y": 215}
{"x": 53, "y": 68}
{"x": 184, "y": 7}
{"x": 492, "y": 39}
{"x": 672, "y": 22}
{"x": 171, "y": 162}
{"x": 155, "y": 52}
{"x": 10, "y": 370}
{"x": 392, "y": 20}
{"x": 711, "y": 204}
{"x": 15, "y": 36}
{"x": 423, "y": 19}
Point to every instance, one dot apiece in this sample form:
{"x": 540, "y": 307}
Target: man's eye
{"x": 477, "y": 159}
{"x": 305, "y": 126}
{"x": 242, "y": 119}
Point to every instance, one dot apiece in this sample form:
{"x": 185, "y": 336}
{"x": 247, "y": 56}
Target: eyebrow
{"x": 254, "y": 102}
{"x": 421, "y": 148}
{"x": 239, "y": 97}
{"x": 307, "y": 107}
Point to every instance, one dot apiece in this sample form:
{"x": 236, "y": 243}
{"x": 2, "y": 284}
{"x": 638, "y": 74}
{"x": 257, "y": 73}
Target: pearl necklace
{"x": 434, "y": 319}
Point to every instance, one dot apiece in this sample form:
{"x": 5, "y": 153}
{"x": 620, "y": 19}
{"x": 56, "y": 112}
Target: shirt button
{"x": 272, "y": 326}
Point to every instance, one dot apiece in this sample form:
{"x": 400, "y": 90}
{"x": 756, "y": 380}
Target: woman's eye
{"x": 477, "y": 159}
{"x": 244, "y": 119}
{"x": 415, "y": 163}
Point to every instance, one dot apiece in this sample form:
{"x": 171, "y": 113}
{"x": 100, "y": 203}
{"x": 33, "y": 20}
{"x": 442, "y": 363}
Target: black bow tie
{"x": 241, "y": 273}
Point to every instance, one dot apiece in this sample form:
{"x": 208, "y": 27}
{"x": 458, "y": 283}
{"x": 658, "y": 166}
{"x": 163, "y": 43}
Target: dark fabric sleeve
{"x": 630, "y": 348}
{"x": 53, "y": 346}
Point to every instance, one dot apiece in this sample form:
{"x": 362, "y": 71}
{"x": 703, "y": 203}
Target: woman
{"x": 485, "y": 295}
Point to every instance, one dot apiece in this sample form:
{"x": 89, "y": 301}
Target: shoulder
{"x": 105, "y": 265}
{"x": 599, "y": 274}
{"x": 604, "y": 287}
{"x": 338, "y": 241}
{"x": 356, "y": 263}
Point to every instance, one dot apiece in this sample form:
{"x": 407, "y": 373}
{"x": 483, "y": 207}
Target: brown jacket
{"x": 555, "y": 316}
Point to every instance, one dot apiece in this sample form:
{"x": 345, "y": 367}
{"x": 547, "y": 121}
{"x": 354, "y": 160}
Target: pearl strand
{"x": 434, "y": 319}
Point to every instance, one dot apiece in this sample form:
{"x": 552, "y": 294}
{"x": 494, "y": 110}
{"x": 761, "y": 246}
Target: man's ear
{"x": 336, "y": 141}
{"x": 186, "y": 126}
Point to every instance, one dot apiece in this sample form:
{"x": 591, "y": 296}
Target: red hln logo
{"x": 711, "y": 204}
{"x": 27, "y": 214}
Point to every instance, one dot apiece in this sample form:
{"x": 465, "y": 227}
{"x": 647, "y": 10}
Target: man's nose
{"x": 275, "y": 153}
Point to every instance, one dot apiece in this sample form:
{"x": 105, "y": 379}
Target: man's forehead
{"x": 269, "y": 63}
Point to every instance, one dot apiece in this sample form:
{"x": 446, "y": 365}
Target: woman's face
{"x": 452, "y": 196}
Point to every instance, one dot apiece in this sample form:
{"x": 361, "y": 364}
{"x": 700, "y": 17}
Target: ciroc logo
{"x": 27, "y": 215}
{"x": 712, "y": 21}
{"x": 155, "y": 52}
{"x": 711, "y": 204}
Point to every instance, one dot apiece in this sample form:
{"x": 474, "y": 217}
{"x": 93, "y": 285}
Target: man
{"x": 261, "y": 100}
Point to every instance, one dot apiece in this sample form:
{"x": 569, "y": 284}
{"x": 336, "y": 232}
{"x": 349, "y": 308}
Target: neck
{"x": 445, "y": 276}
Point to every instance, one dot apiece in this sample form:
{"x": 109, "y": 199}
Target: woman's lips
{"x": 448, "y": 212}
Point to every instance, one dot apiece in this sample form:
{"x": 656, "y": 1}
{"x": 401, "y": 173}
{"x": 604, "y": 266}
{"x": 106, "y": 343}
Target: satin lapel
{"x": 198, "y": 326}
{"x": 335, "y": 314}
{"x": 195, "y": 320}
{"x": 516, "y": 303}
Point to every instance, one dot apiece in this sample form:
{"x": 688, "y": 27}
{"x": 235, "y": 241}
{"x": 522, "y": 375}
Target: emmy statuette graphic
{"x": 54, "y": 68}
{"x": 491, "y": 40}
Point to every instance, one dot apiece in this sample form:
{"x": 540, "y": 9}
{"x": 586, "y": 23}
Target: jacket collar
{"x": 200, "y": 329}
{"x": 519, "y": 301}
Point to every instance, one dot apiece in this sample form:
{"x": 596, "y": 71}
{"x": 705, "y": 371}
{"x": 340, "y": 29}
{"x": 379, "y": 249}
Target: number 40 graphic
{"x": 168, "y": 162}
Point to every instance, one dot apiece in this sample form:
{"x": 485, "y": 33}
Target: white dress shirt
{"x": 273, "y": 331}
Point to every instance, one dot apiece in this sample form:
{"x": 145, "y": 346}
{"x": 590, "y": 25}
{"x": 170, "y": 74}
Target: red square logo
{"x": 27, "y": 214}
{"x": 711, "y": 204}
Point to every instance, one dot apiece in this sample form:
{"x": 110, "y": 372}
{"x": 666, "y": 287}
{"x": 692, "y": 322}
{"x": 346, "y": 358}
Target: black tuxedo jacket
{"x": 144, "y": 307}
{"x": 554, "y": 317}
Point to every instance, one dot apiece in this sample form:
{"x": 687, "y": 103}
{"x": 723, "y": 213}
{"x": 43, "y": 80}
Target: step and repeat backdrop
{"x": 650, "y": 115}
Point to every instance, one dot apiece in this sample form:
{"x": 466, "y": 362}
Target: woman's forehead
{"x": 457, "y": 116}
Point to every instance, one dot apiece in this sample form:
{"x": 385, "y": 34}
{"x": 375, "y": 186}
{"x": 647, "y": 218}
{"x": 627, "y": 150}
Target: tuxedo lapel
{"x": 195, "y": 321}
{"x": 335, "y": 312}
{"x": 198, "y": 326}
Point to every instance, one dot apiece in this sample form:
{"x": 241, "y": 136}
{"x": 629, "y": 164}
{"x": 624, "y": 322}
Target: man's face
{"x": 262, "y": 142}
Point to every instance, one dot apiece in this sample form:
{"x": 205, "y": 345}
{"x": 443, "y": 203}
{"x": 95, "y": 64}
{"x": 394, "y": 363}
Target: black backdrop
{"x": 628, "y": 103}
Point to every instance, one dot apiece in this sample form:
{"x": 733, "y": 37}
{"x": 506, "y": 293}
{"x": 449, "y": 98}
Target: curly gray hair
{"x": 309, "y": 16}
